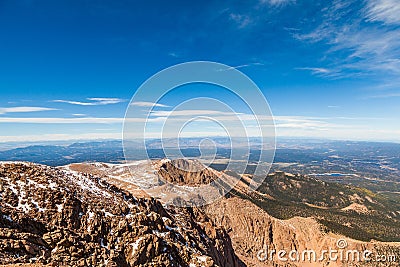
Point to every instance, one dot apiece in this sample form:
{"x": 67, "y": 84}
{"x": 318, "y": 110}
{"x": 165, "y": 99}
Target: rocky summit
{"x": 59, "y": 217}
{"x": 185, "y": 172}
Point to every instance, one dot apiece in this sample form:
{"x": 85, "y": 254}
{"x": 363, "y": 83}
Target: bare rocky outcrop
{"x": 185, "y": 172}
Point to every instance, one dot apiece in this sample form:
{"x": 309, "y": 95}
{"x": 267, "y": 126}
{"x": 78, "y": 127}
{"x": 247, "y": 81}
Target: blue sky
{"x": 328, "y": 68}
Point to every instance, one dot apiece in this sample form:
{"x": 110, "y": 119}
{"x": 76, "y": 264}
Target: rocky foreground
{"x": 94, "y": 215}
{"x": 53, "y": 216}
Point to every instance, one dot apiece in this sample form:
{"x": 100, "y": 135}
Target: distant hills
{"x": 348, "y": 210}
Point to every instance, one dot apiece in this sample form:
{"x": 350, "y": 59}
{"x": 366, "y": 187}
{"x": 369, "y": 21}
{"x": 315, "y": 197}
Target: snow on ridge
{"x": 135, "y": 245}
{"x": 59, "y": 207}
{"x": 40, "y": 209}
{"x": 128, "y": 164}
{"x": 26, "y": 163}
{"x": 85, "y": 183}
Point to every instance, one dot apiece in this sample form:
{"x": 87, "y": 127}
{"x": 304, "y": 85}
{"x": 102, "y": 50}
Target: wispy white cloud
{"x": 315, "y": 70}
{"x": 106, "y": 101}
{"x": 242, "y": 66}
{"x": 241, "y": 20}
{"x": 389, "y": 95}
{"x": 84, "y": 120}
{"x": 192, "y": 113}
{"x": 254, "y": 14}
{"x": 365, "y": 48}
{"x": 301, "y": 122}
{"x": 73, "y": 102}
{"x": 94, "y": 101}
{"x": 386, "y": 11}
{"x": 24, "y": 109}
{"x": 148, "y": 104}
{"x": 59, "y": 137}
{"x": 173, "y": 54}
{"x": 277, "y": 2}
{"x": 346, "y": 128}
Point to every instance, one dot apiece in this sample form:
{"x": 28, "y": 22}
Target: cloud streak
{"x": 192, "y": 113}
{"x": 390, "y": 95}
{"x": 357, "y": 46}
{"x": 242, "y": 21}
{"x": 386, "y": 11}
{"x": 277, "y": 2}
{"x": 85, "y": 120}
{"x": 242, "y": 66}
{"x": 148, "y": 104}
{"x": 315, "y": 70}
{"x": 94, "y": 101}
{"x": 24, "y": 109}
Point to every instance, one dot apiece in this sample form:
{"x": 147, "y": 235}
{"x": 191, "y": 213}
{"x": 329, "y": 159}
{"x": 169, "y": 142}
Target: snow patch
{"x": 8, "y": 218}
{"x": 135, "y": 245}
{"x": 59, "y": 207}
{"x": 91, "y": 215}
{"x": 40, "y": 209}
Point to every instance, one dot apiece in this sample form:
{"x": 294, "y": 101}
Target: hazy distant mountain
{"x": 56, "y": 155}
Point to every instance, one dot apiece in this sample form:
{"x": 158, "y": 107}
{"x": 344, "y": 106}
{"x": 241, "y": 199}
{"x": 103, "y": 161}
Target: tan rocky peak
{"x": 185, "y": 172}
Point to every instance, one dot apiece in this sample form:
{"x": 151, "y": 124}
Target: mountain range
{"x": 96, "y": 214}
